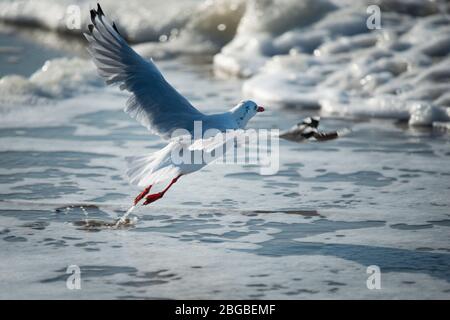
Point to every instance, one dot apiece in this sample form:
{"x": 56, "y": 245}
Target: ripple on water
{"x": 14, "y": 239}
{"x": 50, "y": 173}
{"x": 359, "y": 178}
{"x": 93, "y": 225}
{"x": 40, "y": 191}
{"x": 286, "y": 242}
{"x": 404, "y": 226}
{"x": 93, "y": 271}
{"x": 53, "y": 159}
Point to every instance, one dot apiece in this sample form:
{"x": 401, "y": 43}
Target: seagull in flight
{"x": 156, "y": 105}
{"x": 308, "y": 129}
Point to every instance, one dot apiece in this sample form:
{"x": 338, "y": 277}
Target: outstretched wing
{"x": 308, "y": 129}
{"x": 154, "y": 102}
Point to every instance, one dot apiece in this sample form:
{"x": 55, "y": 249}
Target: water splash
{"x": 123, "y": 219}
{"x": 86, "y": 214}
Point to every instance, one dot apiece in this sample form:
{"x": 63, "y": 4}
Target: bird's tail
{"x": 152, "y": 168}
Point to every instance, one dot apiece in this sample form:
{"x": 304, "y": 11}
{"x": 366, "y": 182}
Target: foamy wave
{"x": 161, "y": 29}
{"x": 139, "y": 20}
{"x": 401, "y": 71}
{"x": 268, "y": 28}
{"x": 212, "y": 25}
{"x": 57, "y": 79}
{"x": 312, "y": 53}
{"x": 169, "y": 27}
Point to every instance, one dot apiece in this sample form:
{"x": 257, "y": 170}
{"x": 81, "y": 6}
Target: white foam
{"x": 338, "y": 65}
{"x": 211, "y": 26}
{"x": 314, "y": 54}
{"x": 56, "y": 79}
{"x": 140, "y": 20}
{"x": 263, "y": 24}
{"x": 164, "y": 28}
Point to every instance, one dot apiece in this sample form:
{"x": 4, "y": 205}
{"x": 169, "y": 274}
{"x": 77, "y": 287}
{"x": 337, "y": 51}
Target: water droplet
{"x": 45, "y": 66}
{"x": 221, "y": 27}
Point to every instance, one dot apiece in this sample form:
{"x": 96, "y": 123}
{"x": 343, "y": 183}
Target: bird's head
{"x": 244, "y": 111}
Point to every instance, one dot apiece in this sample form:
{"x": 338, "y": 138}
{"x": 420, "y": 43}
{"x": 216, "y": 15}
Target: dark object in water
{"x": 306, "y": 130}
{"x": 97, "y": 225}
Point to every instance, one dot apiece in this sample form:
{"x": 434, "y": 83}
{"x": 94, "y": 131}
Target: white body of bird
{"x": 156, "y": 105}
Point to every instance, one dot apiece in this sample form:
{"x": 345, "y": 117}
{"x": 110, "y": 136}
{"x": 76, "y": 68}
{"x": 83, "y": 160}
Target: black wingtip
{"x": 115, "y": 28}
{"x": 314, "y": 122}
{"x": 93, "y": 14}
{"x": 91, "y": 28}
{"x": 99, "y": 10}
{"x": 324, "y": 136}
{"x": 307, "y": 135}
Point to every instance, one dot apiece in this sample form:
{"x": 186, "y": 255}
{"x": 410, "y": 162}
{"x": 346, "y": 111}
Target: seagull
{"x": 308, "y": 129}
{"x": 156, "y": 105}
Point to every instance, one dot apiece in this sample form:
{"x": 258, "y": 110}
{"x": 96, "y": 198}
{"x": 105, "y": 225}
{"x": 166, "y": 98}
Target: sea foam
{"x": 338, "y": 65}
{"x": 57, "y": 79}
{"x": 304, "y": 54}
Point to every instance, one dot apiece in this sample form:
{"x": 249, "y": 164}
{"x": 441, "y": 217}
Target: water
{"x": 123, "y": 220}
{"x": 378, "y": 196}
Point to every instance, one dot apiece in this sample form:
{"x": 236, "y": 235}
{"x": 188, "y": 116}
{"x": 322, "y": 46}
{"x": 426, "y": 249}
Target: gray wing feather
{"x": 154, "y": 102}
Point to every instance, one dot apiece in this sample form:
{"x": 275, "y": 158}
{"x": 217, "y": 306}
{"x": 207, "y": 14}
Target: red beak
{"x": 260, "y": 109}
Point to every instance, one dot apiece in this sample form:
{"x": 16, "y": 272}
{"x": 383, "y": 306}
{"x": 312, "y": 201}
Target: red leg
{"x": 142, "y": 194}
{"x": 155, "y": 196}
